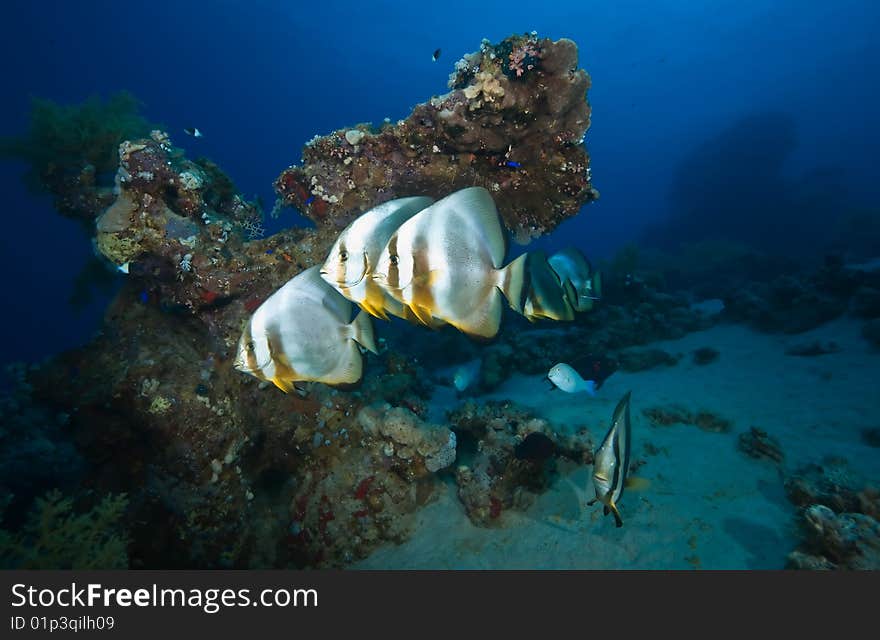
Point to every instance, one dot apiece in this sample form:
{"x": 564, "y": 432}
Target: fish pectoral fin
{"x": 284, "y": 385}
{"x": 376, "y": 312}
{"x": 617, "y": 519}
{"x": 423, "y": 314}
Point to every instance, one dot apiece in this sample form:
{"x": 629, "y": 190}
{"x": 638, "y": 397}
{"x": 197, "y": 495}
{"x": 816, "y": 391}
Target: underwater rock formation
{"x": 408, "y": 439}
{"x": 513, "y": 122}
{"x": 839, "y": 517}
{"x": 848, "y": 541}
{"x": 498, "y": 473}
{"x": 798, "y": 303}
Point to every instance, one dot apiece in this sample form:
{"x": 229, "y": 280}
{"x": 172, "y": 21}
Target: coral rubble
{"x": 642, "y": 359}
{"x": 673, "y": 414}
{"x": 840, "y": 522}
{"x": 513, "y": 122}
{"x": 757, "y": 443}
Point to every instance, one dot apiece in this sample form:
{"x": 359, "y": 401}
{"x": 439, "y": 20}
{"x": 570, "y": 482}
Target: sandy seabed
{"x": 707, "y": 505}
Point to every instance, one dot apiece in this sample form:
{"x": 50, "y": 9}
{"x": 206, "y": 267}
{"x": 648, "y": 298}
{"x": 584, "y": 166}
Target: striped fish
{"x": 542, "y": 295}
{"x": 581, "y": 284}
{"x": 349, "y": 265}
{"x": 446, "y": 263}
{"x": 303, "y": 332}
{"x": 611, "y": 461}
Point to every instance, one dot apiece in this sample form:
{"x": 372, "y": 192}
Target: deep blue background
{"x": 262, "y": 77}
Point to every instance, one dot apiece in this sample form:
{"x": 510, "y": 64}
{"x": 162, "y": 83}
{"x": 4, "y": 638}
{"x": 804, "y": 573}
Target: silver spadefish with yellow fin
{"x": 445, "y": 263}
{"x": 303, "y": 332}
{"x": 611, "y": 461}
{"x": 349, "y": 265}
{"x": 542, "y": 296}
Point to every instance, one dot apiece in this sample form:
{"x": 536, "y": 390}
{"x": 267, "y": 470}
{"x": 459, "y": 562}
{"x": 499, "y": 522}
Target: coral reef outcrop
{"x": 513, "y": 122}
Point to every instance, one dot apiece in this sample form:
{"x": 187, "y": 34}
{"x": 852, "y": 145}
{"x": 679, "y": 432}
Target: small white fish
{"x": 466, "y": 374}
{"x": 303, "y": 333}
{"x": 563, "y": 376}
{"x": 192, "y": 131}
{"x": 611, "y": 461}
{"x": 124, "y": 267}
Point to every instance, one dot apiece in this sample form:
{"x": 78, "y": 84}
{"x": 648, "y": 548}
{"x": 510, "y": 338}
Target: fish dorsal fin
{"x": 399, "y": 209}
{"x": 477, "y": 206}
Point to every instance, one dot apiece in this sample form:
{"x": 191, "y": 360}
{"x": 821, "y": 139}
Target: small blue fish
{"x": 309, "y": 201}
{"x": 512, "y": 163}
{"x": 144, "y": 297}
{"x": 269, "y": 252}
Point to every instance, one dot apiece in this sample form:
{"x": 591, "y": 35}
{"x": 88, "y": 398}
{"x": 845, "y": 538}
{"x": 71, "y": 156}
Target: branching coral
{"x": 55, "y": 537}
{"x": 66, "y": 139}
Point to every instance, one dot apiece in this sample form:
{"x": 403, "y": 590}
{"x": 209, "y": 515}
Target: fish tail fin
{"x": 511, "y": 281}
{"x": 590, "y": 387}
{"x": 362, "y": 332}
{"x": 597, "y": 284}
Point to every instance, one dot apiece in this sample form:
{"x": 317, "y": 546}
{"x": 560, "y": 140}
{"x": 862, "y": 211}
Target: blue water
{"x": 262, "y": 78}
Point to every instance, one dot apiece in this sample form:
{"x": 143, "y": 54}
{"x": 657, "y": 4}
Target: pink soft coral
{"x": 518, "y": 57}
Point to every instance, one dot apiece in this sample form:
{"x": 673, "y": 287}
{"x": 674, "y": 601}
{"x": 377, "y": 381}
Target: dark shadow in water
{"x": 732, "y": 187}
{"x": 774, "y": 492}
{"x": 765, "y": 546}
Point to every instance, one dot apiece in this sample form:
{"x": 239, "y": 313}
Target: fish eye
{"x": 343, "y": 256}
{"x": 250, "y": 346}
{"x": 393, "y": 260}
